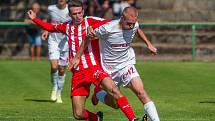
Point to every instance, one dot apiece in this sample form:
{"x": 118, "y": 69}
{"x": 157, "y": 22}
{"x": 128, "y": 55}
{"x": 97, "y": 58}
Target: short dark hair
{"x": 75, "y": 3}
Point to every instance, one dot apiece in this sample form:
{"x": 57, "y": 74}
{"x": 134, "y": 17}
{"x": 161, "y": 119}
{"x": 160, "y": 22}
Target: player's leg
{"x": 108, "y": 84}
{"x": 53, "y": 57}
{"x": 62, "y": 64}
{"x": 79, "y": 110}
{"x": 80, "y": 89}
{"x": 60, "y": 82}
{"x": 54, "y": 78}
{"x": 104, "y": 97}
{"x": 136, "y": 85}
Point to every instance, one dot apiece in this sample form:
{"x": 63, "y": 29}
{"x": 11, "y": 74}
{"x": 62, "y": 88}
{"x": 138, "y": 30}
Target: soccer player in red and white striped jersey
{"x": 89, "y": 70}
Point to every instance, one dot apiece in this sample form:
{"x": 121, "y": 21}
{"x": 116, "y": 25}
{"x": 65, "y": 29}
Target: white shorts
{"x": 124, "y": 75}
{"x": 56, "y": 53}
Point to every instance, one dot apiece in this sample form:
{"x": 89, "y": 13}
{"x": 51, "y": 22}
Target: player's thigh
{"x": 109, "y": 86}
{"x": 63, "y": 59}
{"x": 136, "y": 85}
{"x": 78, "y": 105}
{"x": 53, "y": 49}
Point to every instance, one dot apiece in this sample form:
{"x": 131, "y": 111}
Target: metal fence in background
{"x": 192, "y": 32}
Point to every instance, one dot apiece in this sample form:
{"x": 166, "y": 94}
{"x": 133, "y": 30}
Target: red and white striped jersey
{"x": 75, "y": 35}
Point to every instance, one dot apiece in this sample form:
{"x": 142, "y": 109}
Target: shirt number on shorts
{"x": 130, "y": 71}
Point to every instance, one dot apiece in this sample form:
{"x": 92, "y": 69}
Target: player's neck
{"x": 61, "y": 6}
{"x": 76, "y": 24}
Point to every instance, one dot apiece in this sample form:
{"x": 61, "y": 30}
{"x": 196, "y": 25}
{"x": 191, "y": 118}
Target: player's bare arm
{"x": 60, "y": 28}
{"x": 152, "y": 49}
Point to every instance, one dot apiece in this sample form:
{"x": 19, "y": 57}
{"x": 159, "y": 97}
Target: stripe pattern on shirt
{"x": 76, "y": 35}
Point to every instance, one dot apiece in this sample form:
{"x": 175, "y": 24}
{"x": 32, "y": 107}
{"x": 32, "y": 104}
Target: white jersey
{"x": 58, "y": 16}
{"x": 115, "y": 46}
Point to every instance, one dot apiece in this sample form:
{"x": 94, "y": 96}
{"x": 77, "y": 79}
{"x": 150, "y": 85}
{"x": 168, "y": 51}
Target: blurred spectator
{"x": 34, "y": 37}
{"x": 92, "y": 5}
{"x": 104, "y": 10}
{"x": 118, "y": 7}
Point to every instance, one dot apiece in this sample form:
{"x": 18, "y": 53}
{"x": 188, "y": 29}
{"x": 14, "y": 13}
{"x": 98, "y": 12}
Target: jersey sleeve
{"x": 60, "y": 28}
{"x": 100, "y": 31}
{"x": 96, "y": 24}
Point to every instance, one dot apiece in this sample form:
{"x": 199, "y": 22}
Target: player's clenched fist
{"x": 90, "y": 32}
{"x": 31, "y": 14}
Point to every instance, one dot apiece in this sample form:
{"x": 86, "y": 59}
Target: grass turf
{"x": 182, "y": 91}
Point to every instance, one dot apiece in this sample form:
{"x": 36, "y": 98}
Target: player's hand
{"x": 90, "y": 32}
{"x": 73, "y": 63}
{"x": 31, "y": 14}
{"x": 152, "y": 49}
{"x": 44, "y": 35}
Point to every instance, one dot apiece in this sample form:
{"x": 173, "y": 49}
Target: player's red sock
{"x": 89, "y": 115}
{"x": 126, "y": 108}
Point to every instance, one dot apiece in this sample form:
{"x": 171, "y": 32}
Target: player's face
{"x": 128, "y": 23}
{"x": 77, "y": 14}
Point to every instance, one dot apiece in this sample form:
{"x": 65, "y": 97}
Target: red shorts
{"x": 82, "y": 80}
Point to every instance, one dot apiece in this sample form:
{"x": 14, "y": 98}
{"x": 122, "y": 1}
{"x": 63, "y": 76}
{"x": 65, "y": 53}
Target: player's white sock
{"x": 60, "y": 84}
{"x": 54, "y": 79}
{"x": 151, "y": 111}
{"x": 101, "y": 96}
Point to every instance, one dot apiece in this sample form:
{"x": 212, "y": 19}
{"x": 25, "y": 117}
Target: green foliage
{"x": 182, "y": 91}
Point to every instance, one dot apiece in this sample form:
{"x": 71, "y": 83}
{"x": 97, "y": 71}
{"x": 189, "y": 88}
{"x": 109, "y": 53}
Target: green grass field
{"x": 182, "y": 91}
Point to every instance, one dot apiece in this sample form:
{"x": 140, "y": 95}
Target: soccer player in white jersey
{"x": 118, "y": 58}
{"x": 58, "y": 48}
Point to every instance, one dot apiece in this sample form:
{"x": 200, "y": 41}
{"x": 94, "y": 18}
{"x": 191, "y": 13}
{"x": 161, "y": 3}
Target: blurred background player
{"x": 34, "y": 34}
{"x": 57, "y": 48}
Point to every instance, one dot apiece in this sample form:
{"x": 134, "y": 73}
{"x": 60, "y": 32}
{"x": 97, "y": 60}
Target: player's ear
{"x": 70, "y": 13}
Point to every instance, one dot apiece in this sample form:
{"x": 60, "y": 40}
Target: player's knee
{"x": 78, "y": 115}
{"x": 61, "y": 72}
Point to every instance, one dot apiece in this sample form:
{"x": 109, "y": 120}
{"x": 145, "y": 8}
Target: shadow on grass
{"x": 207, "y": 102}
{"x": 39, "y": 100}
